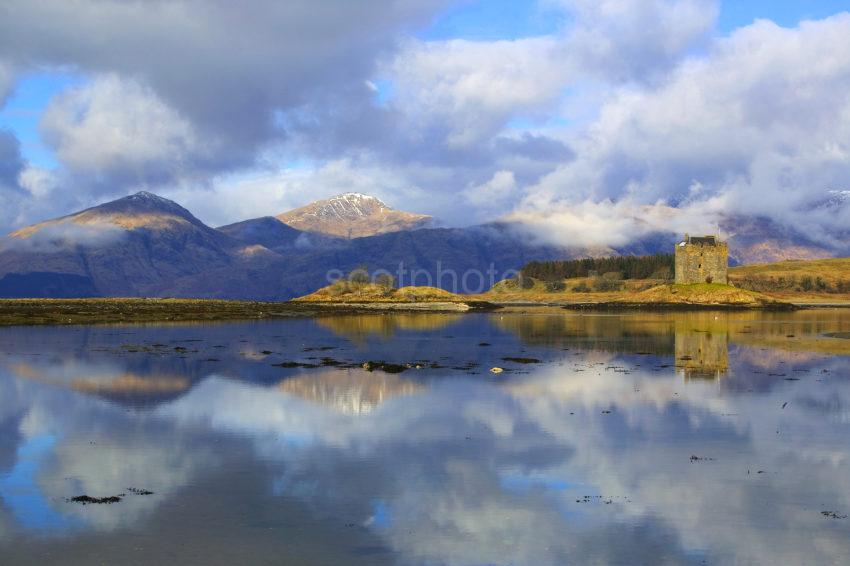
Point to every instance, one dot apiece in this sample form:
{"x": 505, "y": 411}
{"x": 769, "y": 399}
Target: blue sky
{"x": 509, "y": 19}
{"x": 493, "y": 19}
{"x": 787, "y": 13}
{"x": 23, "y": 112}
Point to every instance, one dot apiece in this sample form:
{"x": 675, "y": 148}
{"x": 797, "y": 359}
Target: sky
{"x": 591, "y": 121}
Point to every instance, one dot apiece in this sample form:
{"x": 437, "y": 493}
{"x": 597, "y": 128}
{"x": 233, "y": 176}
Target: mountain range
{"x": 145, "y": 245}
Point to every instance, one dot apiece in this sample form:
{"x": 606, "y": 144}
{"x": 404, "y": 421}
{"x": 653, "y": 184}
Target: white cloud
{"x": 470, "y": 89}
{"x": 188, "y": 90}
{"x": 223, "y": 68}
{"x": 275, "y": 191}
{"x": 595, "y": 224}
{"x": 492, "y": 197}
{"x": 115, "y": 124}
{"x": 636, "y": 40}
{"x": 762, "y": 121}
{"x": 37, "y": 181}
{"x": 65, "y": 234}
{"x": 633, "y": 104}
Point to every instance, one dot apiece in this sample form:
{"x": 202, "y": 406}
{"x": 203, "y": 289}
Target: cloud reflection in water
{"x": 605, "y": 452}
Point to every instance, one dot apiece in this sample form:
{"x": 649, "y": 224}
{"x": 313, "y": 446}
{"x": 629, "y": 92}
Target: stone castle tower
{"x": 702, "y": 260}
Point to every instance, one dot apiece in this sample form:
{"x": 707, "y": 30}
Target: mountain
{"x": 763, "y": 240}
{"x": 267, "y": 231}
{"x": 137, "y": 245}
{"x": 352, "y": 215}
{"x": 426, "y": 253}
{"x": 145, "y": 245}
{"x": 273, "y": 234}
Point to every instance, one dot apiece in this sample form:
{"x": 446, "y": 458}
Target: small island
{"x": 358, "y": 291}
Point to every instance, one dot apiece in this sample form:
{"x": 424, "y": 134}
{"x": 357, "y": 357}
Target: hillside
{"x": 637, "y": 292}
{"x": 352, "y": 215}
{"x": 824, "y": 280}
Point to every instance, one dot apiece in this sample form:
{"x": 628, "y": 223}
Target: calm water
{"x": 705, "y": 438}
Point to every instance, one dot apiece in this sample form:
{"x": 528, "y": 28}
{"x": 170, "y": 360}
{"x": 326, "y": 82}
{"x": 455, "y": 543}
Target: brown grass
{"x": 348, "y": 292}
{"x": 784, "y": 279}
{"x": 118, "y": 310}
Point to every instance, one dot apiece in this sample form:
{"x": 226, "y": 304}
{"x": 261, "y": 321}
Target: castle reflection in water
{"x": 702, "y": 351}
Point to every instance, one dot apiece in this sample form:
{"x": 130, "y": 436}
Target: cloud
{"x": 753, "y": 123}
{"x": 7, "y": 82}
{"x": 636, "y": 40}
{"x": 268, "y": 193}
{"x": 596, "y": 224}
{"x": 491, "y": 196}
{"x": 449, "y": 118}
{"x": 65, "y": 234}
{"x": 224, "y": 69}
{"x": 11, "y": 162}
{"x": 632, "y": 104}
{"x": 189, "y": 90}
{"x": 12, "y": 165}
{"x": 121, "y": 130}
{"x": 471, "y": 89}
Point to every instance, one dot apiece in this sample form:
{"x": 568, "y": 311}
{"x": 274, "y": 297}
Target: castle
{"x": 702, "y": 260}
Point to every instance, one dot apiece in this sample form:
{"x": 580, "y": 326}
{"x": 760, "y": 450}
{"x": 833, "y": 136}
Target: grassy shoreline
{"x": 137, "y": 310}
{"x": 370, "y": 300}
{"x": 629, "y": 295}
{"x": 36, "y": 312}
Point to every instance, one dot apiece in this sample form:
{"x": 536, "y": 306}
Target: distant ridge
{"x": 352, "y": 215}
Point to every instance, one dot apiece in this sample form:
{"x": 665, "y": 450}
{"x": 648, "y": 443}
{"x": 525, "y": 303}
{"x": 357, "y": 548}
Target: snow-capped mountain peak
{"x": 352, "y": 215}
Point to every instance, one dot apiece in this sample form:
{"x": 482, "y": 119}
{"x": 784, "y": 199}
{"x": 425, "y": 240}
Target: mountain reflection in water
{"x": 349, "y": 391}
{"x": 636, "y": 438}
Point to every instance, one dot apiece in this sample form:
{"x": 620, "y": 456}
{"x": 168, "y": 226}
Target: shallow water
{"x": 706, "y": 438}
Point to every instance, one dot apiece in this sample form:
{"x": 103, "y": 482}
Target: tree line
{"x": 657, "y": 266}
